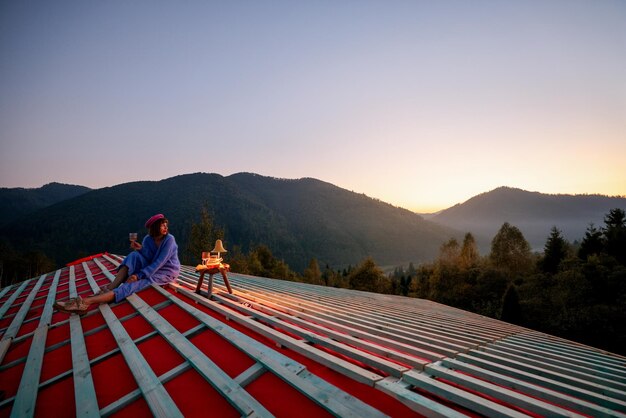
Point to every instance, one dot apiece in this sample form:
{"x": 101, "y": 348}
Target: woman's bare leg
{"x": 100, "y": 298}
{"x": 120, "y": 277}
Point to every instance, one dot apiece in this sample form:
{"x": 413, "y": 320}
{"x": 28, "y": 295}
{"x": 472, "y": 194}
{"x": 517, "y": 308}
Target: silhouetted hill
{"x": 296, "y": 219}
{"x": 534, "y": 213}
{"x": 17, "y": 202}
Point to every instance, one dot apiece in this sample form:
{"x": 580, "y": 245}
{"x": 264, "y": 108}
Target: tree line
{"x": 573, "y": 290}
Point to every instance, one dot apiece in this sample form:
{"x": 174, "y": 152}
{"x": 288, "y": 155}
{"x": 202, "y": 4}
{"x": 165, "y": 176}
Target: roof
{"x": 284, "y": 349}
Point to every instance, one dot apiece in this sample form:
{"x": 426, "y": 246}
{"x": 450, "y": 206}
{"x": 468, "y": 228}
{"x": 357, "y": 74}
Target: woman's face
{"x": 163, "y": 229}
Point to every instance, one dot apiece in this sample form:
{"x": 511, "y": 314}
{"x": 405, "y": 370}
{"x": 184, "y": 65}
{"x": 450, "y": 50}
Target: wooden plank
{"x": 334, "y": 322}
{"x": 310, "y": 385}
{"x": 354, "y": 353}
{"x": 590, "y": 396}
{"x": 250, "y": 374}
{"x": 25, "y": 307}
{"x": 324, "y": 394}
{"x": 460, "y": 397}
{"x": 375, "y": 304}
{"x": 92, "y": 282}
{"x": 46, "y": 315}
{"x": 26, "y": 397}
{"x": 104, "y": 270}
{"x": 541, "y": 392}
{"x": 72, "y": 282}
{"x": 405, "y": 329}
{"x": 509, "y": 396}
{"x": 337, "y": 364}
{"x": 16, "y": 323}
{"x": 418, "y": 403}
{"x": 132, "y": 396}
{"x": 597, "y": 359}
{"x": 235, "y": 394}
{"x": 9, "y": 302}
{"x": 84, "y": 390}
{"x": 403, "y": 353}
{"x": 553, "y": 375}
{"x": 157, "y": 398}
{"x": 564, "y": 369}
{"x": 340, "y": 332}
{"x": 383, "y": 318}
{"x": 4, "y": 291}
{"x": 575, "y": 346}
{"x": 564, "y": 361}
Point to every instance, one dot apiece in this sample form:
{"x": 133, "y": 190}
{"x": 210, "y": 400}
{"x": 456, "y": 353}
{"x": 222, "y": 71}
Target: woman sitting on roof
{"x": 153, "y": 261}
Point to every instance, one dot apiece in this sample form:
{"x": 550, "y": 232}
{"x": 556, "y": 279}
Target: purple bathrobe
{"x": 151, "y": 264}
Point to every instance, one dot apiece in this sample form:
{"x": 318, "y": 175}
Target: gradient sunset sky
{"x": 422, "y": 104}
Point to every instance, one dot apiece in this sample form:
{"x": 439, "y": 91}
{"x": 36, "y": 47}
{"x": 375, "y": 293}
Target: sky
{"x": 422, "y": 104}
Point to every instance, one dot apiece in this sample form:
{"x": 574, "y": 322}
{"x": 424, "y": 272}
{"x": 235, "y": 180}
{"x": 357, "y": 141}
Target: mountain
{"x": 532, "y": 212}
{"x": 296, "y": 219}
{"x": 16, "y": 202}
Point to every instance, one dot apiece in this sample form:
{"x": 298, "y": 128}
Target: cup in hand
{"x": 132, "y": 236}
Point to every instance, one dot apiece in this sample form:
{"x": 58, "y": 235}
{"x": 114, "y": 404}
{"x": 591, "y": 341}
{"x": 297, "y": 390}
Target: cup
{"x": 205, "y": 257}
{"x": 132, "y": 236}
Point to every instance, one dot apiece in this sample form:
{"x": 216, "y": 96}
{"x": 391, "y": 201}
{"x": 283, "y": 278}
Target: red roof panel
{"x": 275, "y": 348}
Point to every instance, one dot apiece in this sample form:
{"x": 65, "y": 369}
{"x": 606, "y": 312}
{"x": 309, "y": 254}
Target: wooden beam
{"x": 223, "y": 383}
{"x": 46, "y": 315}
{"x": 16, "y": 323}
{"x": 250, "y": 374}
{"x": 84, "y": 390}
{"x": 418, "y": 403}
{"x": 585, "y": 394}
{"x": 460, "y": 397}
{"x": 324, "y": 394}
{"x": 157, "y": 398}
{"x": 573, "y": 403}
{"x": 498, "y": 392}
{"x": 26, "y": 397}
{"x": 9, "y": 302}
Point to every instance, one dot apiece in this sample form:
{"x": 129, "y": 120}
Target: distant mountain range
{"x": 297, "y": 219}
{"x": 533, "y": 213}
{"x": 16, "y": 202}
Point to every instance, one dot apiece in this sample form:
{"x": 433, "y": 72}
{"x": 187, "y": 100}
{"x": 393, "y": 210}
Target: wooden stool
{"x": 213, "y": 269}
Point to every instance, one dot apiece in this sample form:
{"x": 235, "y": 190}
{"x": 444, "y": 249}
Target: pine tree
{"x": 511, "y": 309}
{"x": 554, "y": 252}
{"x": 615, "y": 234}
{"x": 202, "y": 237}
{"x": 592, "y": 243}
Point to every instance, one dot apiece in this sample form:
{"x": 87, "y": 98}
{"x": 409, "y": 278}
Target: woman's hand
{"x": 135, "y": 245}
{"x": 132, "y": 278}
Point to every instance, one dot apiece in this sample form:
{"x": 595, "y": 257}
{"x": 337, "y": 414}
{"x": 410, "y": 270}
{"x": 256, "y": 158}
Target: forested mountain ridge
{"x": 18, "y": 201}
{"x": 297, "y": 219}
{"x": 532, "y": 212}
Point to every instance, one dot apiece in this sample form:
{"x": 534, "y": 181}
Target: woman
{"x": 153, "y": 261}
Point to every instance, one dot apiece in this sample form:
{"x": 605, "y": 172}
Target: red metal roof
{"x": 277, "y": 348}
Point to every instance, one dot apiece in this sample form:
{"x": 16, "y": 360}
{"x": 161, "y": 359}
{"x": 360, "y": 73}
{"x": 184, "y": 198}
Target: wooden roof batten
{"x": 613, "y": 403}
{"x": 335, "y": 401}
{"x": 433, "y": 359}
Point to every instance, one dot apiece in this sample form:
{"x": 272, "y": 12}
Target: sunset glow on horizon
{"x": 419, "y": 104}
